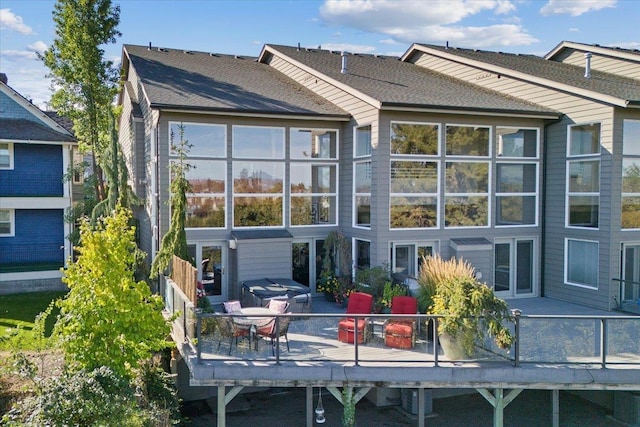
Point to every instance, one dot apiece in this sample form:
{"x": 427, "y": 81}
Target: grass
{"x": 17, "y": 318}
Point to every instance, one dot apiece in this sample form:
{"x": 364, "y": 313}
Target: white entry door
{"x": 211, "y": 257}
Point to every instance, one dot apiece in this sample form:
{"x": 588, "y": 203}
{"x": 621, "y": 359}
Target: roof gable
{"x": 23, "y": 121}
{"x": 200, "y": 81}
{"x": 615, "y": 52}
{"x": 601, "y": 86}
{"x": 387, "y": 82}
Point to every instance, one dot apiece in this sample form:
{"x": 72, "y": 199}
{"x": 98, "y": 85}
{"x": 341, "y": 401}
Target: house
{"x": 523, "y": 165}
{"x": 35, "y": 154}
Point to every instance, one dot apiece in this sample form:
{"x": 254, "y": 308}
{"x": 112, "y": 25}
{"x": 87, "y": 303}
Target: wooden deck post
{"x": 221, "y": 407}
{"x": 421, "y": 407}
{"x": 499, "y": 402}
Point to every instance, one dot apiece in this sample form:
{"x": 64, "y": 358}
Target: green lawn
{"x": 18, "y": 312}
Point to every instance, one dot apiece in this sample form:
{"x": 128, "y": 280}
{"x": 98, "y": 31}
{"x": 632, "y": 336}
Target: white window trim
{"x": 566, "y": 265}
{"x": 537, "y": 157}
{"x": 568, "y": 194}
{"x": 283, "y": 142}
{"x": 402, "y": 122}
{"x": 534, "y": 194}
{"x": 577, "y": 156}
{"x": 354, "y": 213}
{"x": 12, "y": 223}
{"x": 355, "y": 140}
{"x": 314, "y": 159}
{"x": 434, "y": 244}
{"x": 11, "y": 156}
{"x": 336, "y": 194}
{"x": 634, "y": 157}
{"x": 463, "y": 156}
{"x": 487, "y": 194}
{"x": 437, "y": 194}
{"x": 195, "y": 156}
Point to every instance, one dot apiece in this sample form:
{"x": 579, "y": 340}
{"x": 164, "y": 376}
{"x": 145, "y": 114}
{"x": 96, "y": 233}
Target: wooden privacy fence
{"x": 185, "y": 276}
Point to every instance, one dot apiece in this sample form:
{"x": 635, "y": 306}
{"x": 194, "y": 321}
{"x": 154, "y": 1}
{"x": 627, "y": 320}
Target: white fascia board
{"x": 35, "y": 141}
{"x": 30, "y": 275}
{"x": 256, "y": 115}
{"x": 527, "y": 115}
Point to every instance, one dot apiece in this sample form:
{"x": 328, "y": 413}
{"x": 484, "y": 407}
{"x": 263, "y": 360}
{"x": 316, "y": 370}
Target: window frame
{"x": 635, "y": 157}
{"x": 12, "y": 223}
{"x": 497, "y": 195}
{"x": 489, "y": 154}
{"x": 311, "y": 162}
{"x": 488, "y": 194}
{"x": 572, "y": 159}
{"x": 10, "y": 149}
{"x": 567, "y": 240}
{"x": 222, "y": 159}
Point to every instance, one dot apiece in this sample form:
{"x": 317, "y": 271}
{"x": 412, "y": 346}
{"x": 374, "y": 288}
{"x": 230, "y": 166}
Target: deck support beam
{"x": 223, "y": 401}
{"x": 555, "y": 408}
{"x": 499, "y": 402}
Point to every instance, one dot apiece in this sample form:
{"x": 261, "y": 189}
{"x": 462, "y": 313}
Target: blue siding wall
{"x": 12, "y": 110}
{"x": 39, "y": 236}
{"x": 37, "y": 172}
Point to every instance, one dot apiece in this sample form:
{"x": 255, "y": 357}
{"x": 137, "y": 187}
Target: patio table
{"x": 260, "y": 317}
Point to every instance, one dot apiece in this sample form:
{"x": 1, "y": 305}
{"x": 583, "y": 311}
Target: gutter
{"x": 259, "y": 114}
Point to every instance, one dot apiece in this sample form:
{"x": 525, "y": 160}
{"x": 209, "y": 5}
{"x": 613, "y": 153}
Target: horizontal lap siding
{"x": 576, "y": 110}
{"x": 37, "y": 172}
{"x": 600, "y": 62}
{"x": 39, "y": 238}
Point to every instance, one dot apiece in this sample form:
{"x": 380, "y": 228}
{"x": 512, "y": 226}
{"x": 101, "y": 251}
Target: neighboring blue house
{"x": 35, "y": 153}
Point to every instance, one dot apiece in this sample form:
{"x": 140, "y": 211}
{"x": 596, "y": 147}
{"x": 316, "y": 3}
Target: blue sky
{"x": 368, "y": 26}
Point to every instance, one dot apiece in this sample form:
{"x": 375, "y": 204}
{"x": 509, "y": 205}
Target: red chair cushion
{"x": 404, "y": 305}
{"x": 359, "y": 303}
{"x": 401, "y": 329}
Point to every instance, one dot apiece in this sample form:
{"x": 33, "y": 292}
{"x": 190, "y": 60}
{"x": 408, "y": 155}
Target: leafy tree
{"x": 175, "y": 241}
{"x": 107, "y": 318}
{"x": 86, "y": 82}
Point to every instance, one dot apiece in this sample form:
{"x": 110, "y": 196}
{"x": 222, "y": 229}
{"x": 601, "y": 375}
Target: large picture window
{"x": 467, "y": 194}
{"x": 468, "y": 140}
{"x": 207, "y": 175}
{"x": 414, "y": 170}
{"x": 313, "y": 177}
{"x": 581, "y": 263}
{"x": 631, "y": 175}
{"x": 583, "y": 176}
{"x": 516, "y": 194}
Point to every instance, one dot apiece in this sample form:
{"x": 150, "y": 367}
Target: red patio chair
{"x": 401, "y": 332}
{"x": 359, "y": 303}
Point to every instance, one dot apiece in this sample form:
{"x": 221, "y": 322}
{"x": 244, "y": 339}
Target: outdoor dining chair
{"x": 275, "y": 329}
{"x": 229, "y": 329}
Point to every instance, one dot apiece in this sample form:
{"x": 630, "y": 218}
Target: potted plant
{"x": 470, "y": 310}
{"x": 372, "y": 281}
{"x": 389, "y": 291}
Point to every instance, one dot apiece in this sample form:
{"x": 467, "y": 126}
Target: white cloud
{"x": 575, "y": 7}
{"x": 38, "y": 47}
{"x": 434, "y": 21}
{"x": 389, "y": 41}
{"x": 574, "y": 30}
{"x": 351, "y": 48}
{"x": 11, "y": 22}
{"x": 626, "y": 45}
{"x": 19, "y": 54}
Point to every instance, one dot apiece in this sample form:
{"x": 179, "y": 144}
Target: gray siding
{"x": 257, "y": 259}
{"x": 576, "y": 110}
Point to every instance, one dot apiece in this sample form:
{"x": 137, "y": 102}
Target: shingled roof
{"x": 553, "y": 72}
{"x": 390, "y": 82}
{"x": 201, "y": 81}
{"x": 29, "y": 130}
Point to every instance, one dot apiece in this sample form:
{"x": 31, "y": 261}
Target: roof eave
{"x": 167, "y": 108}
{"x": 619, "y": 102}
{"x": 397, "y": 106}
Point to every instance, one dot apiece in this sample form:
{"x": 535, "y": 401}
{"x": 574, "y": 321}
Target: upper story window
{"x": 362, "y": 177}
{"x": 468, "y": 140}
{"x": 631, "y": 174}
{"x": 517, "y": 172}
{"x": 413, "y": 201}
{"x": 313, "y": 177}
{"x": 583, "y": 176}
{"x": 253, "y": 142}
{"x": 363, "y": 141}
{"x": 205, "y": 147}
{"x": 258, "y": 186}
{"x": 6, "y": 155}
{"x": 7, "y": 221}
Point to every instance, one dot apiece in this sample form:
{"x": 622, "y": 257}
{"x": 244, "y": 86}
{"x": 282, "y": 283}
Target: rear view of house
{"x": 35, "y": 153}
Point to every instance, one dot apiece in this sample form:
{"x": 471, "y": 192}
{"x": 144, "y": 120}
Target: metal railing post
{"x": 436, "y": 341}
{"x": 277, "y": 331}
{"x": 199, "y": 344}
{"x": 516, "y": 347}
{"x": 355, "y": 339}
{"x": 603, "y": 342}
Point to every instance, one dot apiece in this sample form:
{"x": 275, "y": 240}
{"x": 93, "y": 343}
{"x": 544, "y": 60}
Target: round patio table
{"x": 260, "y": 316}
